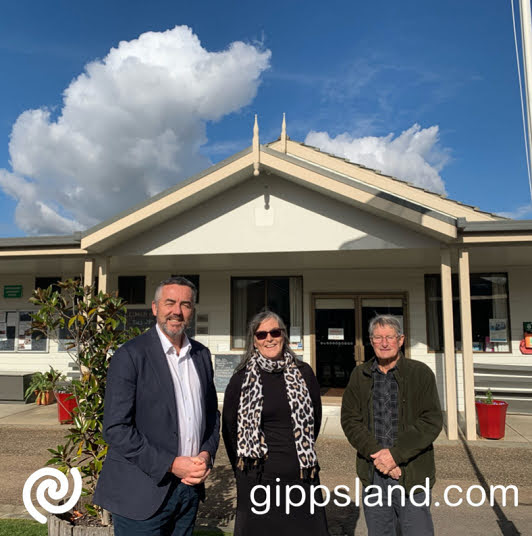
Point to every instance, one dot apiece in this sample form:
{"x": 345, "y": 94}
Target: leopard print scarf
{"x": 252, "y": 449}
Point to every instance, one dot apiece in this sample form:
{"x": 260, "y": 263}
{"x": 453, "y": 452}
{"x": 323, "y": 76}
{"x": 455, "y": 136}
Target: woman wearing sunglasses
{"x": 271, "y": 418}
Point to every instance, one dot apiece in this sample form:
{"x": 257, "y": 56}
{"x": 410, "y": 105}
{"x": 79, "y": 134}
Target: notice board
{"x": 224, "y": 366}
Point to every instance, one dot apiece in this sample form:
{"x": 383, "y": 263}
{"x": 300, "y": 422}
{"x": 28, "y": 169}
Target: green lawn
{"x": 22, "y": 527}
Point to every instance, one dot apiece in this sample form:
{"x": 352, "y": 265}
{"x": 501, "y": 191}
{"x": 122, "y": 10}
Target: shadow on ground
{"x": 342, "y": 520}
{"x": 506, "y": 526}
{"x": 220, "y": 502}
{"x": 220, "y": 506}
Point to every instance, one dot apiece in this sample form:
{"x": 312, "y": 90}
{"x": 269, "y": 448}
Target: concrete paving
{"x": 518, "y": 432}
{"x": 29, "y": 415}
{"x": 518, "y": 427}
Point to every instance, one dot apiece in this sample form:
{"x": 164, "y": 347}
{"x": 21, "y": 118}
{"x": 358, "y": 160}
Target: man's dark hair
{"x": 181, "y": 281}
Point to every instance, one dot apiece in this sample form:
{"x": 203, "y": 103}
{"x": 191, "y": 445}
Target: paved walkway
{"x": 518, "y": 427}
{"x": 26, "y": 431}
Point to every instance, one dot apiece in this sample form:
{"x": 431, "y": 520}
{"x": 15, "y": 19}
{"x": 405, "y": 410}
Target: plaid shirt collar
{"x": 375, "y": 365}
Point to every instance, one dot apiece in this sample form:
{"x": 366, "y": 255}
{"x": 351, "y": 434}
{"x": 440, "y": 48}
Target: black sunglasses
{"x": 275, "y": 333}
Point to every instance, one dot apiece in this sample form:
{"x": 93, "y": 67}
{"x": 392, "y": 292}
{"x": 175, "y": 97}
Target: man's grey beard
{"x": 175, "y": 333}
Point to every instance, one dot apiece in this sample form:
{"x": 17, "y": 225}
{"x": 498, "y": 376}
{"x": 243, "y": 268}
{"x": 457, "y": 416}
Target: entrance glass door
{"x": 335, "y": 341}
{"x": 341, "y": 333}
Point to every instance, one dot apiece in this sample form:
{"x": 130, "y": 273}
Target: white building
{"x": 325, "y": 243}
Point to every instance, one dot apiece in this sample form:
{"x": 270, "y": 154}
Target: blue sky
{"x": 372, "y": 81}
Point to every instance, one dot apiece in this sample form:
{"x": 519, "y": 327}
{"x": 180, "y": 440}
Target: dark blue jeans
{"x": 383, "y": 520}
{"x": 176, "y": 517}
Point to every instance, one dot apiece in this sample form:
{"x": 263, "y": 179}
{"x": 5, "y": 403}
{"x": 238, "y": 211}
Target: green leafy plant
{"x": 94, "y": 325}
{"x": 487, "y": 399}
{"x": 42, "y": 383}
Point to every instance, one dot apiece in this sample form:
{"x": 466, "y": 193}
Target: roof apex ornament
{"x": 256, "y": 148}
{"x": 284, "y": 137}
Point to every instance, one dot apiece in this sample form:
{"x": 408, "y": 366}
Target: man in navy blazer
{"x": 161, "y": 422}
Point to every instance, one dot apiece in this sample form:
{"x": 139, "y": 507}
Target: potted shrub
{"x": 42, "y": 386}
{"x": 95, "y": 324}
{"x": 491, "y": 416}
{"x": 66, "y": 402}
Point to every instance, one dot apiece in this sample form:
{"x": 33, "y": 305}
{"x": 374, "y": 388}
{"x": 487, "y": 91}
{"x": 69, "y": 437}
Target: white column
{"x": 448, "y": 344}
{"x": 103, "y": 264}
{"x": 467, "y": 345}
{"x": 88, "y": 273}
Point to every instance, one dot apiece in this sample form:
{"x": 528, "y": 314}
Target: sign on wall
{"x": 12, "y": 291}
{"x": 224, "y": 366}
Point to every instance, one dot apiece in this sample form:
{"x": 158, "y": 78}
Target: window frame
{"x": 476, "y": 274}
{"x": 265, "y": 277}
{"x": 16, "y": 349}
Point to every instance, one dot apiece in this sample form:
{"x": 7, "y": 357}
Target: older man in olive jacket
{"x": 391, "y": 414}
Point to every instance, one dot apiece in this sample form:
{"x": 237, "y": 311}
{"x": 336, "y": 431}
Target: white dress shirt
{"x": 188, "y": 395}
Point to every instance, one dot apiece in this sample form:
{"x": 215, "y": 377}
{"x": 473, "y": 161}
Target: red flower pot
{"x": 491, "y": 419}
{"x": 65, "y": 406}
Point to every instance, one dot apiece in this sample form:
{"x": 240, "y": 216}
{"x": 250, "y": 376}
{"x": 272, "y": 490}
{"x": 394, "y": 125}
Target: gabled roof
{"x": 169, "y": 203}
{"x": 360, "y": 187}
{"x": 363, "y": 188}
{"x": 377, "y": 178}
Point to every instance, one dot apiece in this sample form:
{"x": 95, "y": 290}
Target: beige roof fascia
{"x": 31, "y": 246}
{"x": 169, "y": 203}
{"x": 506, "y": 232}
{"x": 362, "y": 195}
{"x": 377, "y": 179}
{"x": 41, "y": 252}
{"x": 497, "y": 238}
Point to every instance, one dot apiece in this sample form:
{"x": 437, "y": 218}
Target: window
{"x": 132, "y": 288}
{"x": 282, "y": 295}
{"x": 16, "y": 333}
{"x": 489, "y": 312}
{"x": 45, "y": 282}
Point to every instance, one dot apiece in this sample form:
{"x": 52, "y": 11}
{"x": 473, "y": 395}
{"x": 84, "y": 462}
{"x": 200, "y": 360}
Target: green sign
{"x": 12, "y": 291}
{"x": 527, "y": 327}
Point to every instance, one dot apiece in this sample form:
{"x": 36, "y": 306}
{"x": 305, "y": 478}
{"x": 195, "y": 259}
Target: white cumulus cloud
{"x": 129, "y": 126}
{"x": 520, "y": 213}
{"x": 414, "y": 156}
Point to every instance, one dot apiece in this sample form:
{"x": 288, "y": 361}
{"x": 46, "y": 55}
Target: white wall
{"x": 255, "y": 216}
{"x": 215, "y": 301}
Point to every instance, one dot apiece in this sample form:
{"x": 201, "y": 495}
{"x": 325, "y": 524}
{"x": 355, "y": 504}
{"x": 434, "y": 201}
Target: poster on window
{"x": 295, "y": 334}
{"x": 12, "y": 318}
{"x": 24, "y": 327}
{"x": 498, "y": 330}
{"x": 24, "y": 343}
{"x": 335, "y": 334}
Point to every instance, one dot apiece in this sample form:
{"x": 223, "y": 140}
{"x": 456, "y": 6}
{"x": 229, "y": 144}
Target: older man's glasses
{"x": 380, "y": 338}
{"x": 275, "y": 333}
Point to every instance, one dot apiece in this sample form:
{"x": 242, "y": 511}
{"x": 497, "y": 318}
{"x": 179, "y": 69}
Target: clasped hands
{"x": 192, "y": 470}
{"x": 384, "y": 462}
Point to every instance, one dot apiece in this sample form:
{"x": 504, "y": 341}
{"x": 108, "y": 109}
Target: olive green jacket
{"x": 420, "y": 421}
